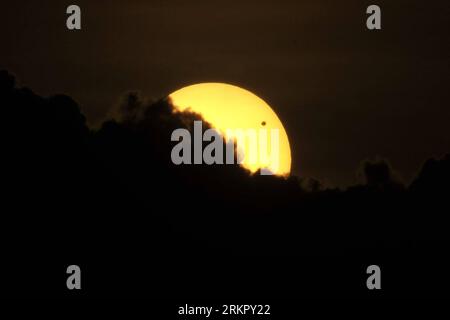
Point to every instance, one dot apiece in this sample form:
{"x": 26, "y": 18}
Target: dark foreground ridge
{"x": 111, "y": 201}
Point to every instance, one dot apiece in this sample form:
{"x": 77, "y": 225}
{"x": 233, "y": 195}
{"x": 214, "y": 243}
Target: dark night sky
{"x": 344, "y": 93}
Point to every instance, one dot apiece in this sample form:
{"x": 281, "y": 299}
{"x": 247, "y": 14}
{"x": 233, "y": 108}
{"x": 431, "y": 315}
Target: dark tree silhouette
{"x": 110, "y": 198}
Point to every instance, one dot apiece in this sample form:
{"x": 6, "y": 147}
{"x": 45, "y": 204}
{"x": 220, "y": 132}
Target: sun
{"x": 229, "y": 108}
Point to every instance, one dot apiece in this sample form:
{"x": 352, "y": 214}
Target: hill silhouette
{"x": 111, "y": 200}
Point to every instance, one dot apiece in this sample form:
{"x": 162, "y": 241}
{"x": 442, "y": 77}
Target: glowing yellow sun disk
{"x": 227, "y": 107}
